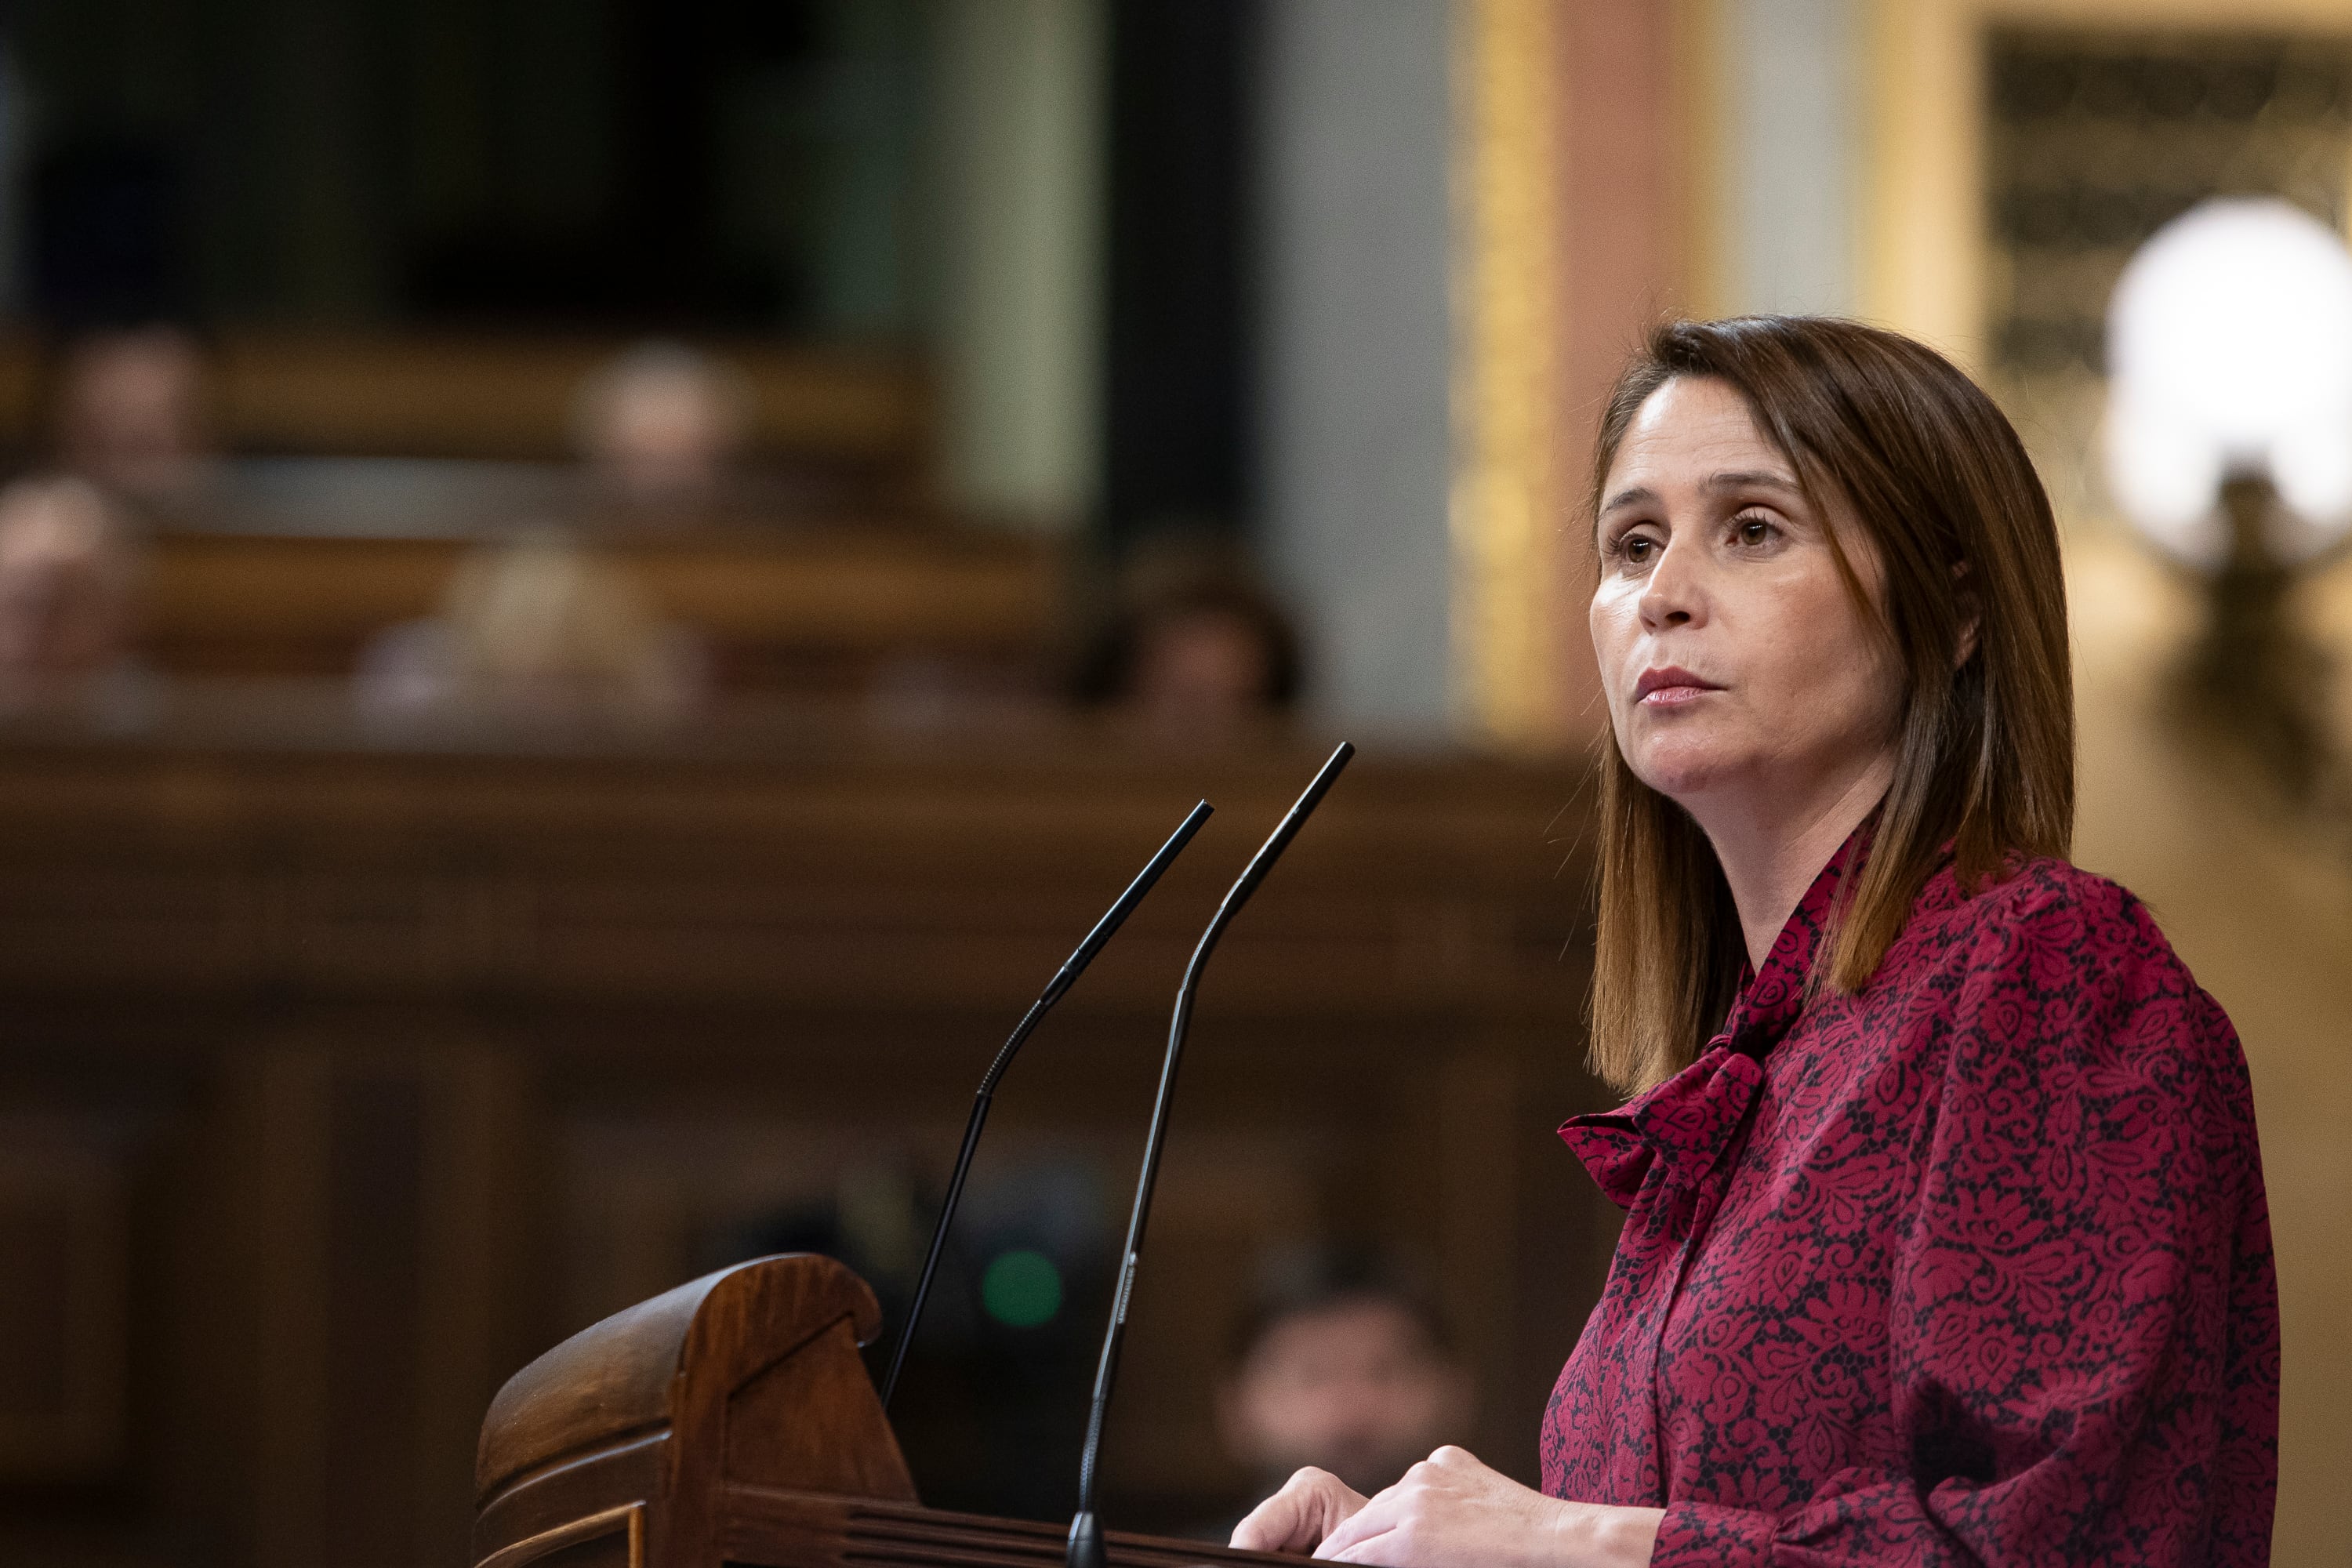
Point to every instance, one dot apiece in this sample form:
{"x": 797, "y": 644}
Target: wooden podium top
{"x": 730, "y": 1421}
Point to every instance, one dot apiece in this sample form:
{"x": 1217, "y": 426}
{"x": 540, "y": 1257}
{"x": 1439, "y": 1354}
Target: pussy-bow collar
{"x": 1687, "y": 1121}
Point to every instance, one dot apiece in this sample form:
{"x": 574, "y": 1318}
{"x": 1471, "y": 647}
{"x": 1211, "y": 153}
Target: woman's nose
{"x": 1672, "y": 595}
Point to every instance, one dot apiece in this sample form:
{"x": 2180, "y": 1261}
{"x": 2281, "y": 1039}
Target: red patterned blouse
{"x": 1972, "y": 1266}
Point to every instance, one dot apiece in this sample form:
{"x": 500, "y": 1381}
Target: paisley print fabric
{"x": 1970, "y": 1266}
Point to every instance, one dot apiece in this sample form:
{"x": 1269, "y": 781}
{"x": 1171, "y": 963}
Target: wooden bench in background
{"x": 806, "y": 610}
{"x": 474, "y": 395}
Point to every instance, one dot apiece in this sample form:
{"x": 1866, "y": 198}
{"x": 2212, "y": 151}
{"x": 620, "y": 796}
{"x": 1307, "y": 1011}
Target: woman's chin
{"x": 1680, "y": 771}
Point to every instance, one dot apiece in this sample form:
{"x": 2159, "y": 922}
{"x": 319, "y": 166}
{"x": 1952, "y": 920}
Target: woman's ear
{"x": 1971, "y": 611}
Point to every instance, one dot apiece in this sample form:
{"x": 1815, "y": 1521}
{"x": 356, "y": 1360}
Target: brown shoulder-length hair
{"x": 1888, "y": 438}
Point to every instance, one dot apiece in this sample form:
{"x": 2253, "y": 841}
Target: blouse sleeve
{"x": 2082, "y": 1341}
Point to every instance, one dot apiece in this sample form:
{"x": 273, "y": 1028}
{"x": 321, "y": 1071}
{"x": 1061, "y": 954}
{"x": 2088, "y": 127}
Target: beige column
{"x": 1019, "y": 124}
{"x": 1505, "y": 507}
{"x": 1571, "y": 208}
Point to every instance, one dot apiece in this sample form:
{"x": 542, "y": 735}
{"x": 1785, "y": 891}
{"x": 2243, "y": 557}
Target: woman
{"x": 1949, "y": 1244}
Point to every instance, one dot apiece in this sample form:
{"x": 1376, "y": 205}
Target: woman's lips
{"x": 1670, "y": 687}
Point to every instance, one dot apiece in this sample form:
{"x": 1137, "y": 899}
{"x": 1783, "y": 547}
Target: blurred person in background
{"x": 1193, "y": 649}
{"x": 1343, "y": 1365}
{"x": 130, "y": 414}
{"x": 541, "y": 630}
{"x": 69, "y": 577}
{"x": 660, "y": 428}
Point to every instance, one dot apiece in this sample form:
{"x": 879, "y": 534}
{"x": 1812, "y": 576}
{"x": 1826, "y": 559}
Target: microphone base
{"x": 1086, "y": 1542}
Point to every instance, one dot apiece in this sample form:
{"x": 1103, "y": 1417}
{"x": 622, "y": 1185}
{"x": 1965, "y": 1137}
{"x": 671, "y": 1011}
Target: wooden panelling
{"x": 466, "y": 1049}
{"x": 65, "y": 1263}
{"x": 375, "y": 1173}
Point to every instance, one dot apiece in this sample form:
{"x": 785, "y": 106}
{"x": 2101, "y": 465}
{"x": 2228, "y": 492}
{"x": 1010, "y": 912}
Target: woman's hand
{"x": 1449, "y": 1511}
{"x": 1310, "y": 1507}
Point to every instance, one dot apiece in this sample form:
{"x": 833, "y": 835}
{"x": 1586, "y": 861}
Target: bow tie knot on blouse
{"x": 1684, "y": 1125}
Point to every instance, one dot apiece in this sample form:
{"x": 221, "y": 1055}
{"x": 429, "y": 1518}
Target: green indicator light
{"x": 1021, "y": 1289}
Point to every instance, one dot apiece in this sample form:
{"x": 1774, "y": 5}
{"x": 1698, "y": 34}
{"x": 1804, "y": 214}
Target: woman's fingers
{"x": 1277, "y": 1524}
{"x": 1450, "y": 1503}
{"x": 1449, "y": 1511}
{"x": 1299, "y": 1517}
{"x": 1376, "y": 1548}
{"x": 1376, "y": 1518}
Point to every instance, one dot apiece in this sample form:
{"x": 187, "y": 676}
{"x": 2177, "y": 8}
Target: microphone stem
{"x": 971, "y": 1129}
{"x": 1107, "y": 1369}
{"x": 1085, "y": 1545}
{"x": 1064, "y": 978}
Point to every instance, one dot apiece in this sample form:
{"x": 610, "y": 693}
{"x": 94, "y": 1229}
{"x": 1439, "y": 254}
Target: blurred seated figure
{"x": 536, "y": 631}
{"x": 67, "y": 576}
{"x": 661, "y": 427}
{"x": 130, "y": 415}
{"x": 1341, "y": 1366}
{"x": 1193, "y": 649}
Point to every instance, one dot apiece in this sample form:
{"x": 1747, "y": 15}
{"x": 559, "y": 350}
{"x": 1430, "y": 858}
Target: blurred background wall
{"x": 599, "y": 589}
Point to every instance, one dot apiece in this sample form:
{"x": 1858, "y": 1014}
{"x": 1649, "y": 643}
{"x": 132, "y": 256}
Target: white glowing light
{"x": 2230, "y": 350}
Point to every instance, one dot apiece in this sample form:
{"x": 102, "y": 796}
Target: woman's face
{"x": 1742, "y": 678}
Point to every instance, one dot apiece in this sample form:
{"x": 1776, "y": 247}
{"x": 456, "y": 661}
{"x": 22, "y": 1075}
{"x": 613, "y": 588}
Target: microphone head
{"x": 1279, "y": 840}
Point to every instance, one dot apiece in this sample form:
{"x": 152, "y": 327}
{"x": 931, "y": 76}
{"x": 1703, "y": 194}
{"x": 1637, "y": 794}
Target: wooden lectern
{"x": 730, "y": 1421}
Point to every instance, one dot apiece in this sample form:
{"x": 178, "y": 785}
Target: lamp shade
{"x": 2230, "y": 351}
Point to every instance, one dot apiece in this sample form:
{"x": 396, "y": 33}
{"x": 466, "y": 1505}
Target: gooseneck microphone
{"x": 1072, "y": 967}
{"x": 1086, "y": 1550}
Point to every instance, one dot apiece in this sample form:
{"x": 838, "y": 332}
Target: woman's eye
{"x": 1751, "y": 530}
{"x": 1636, "y": 547}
